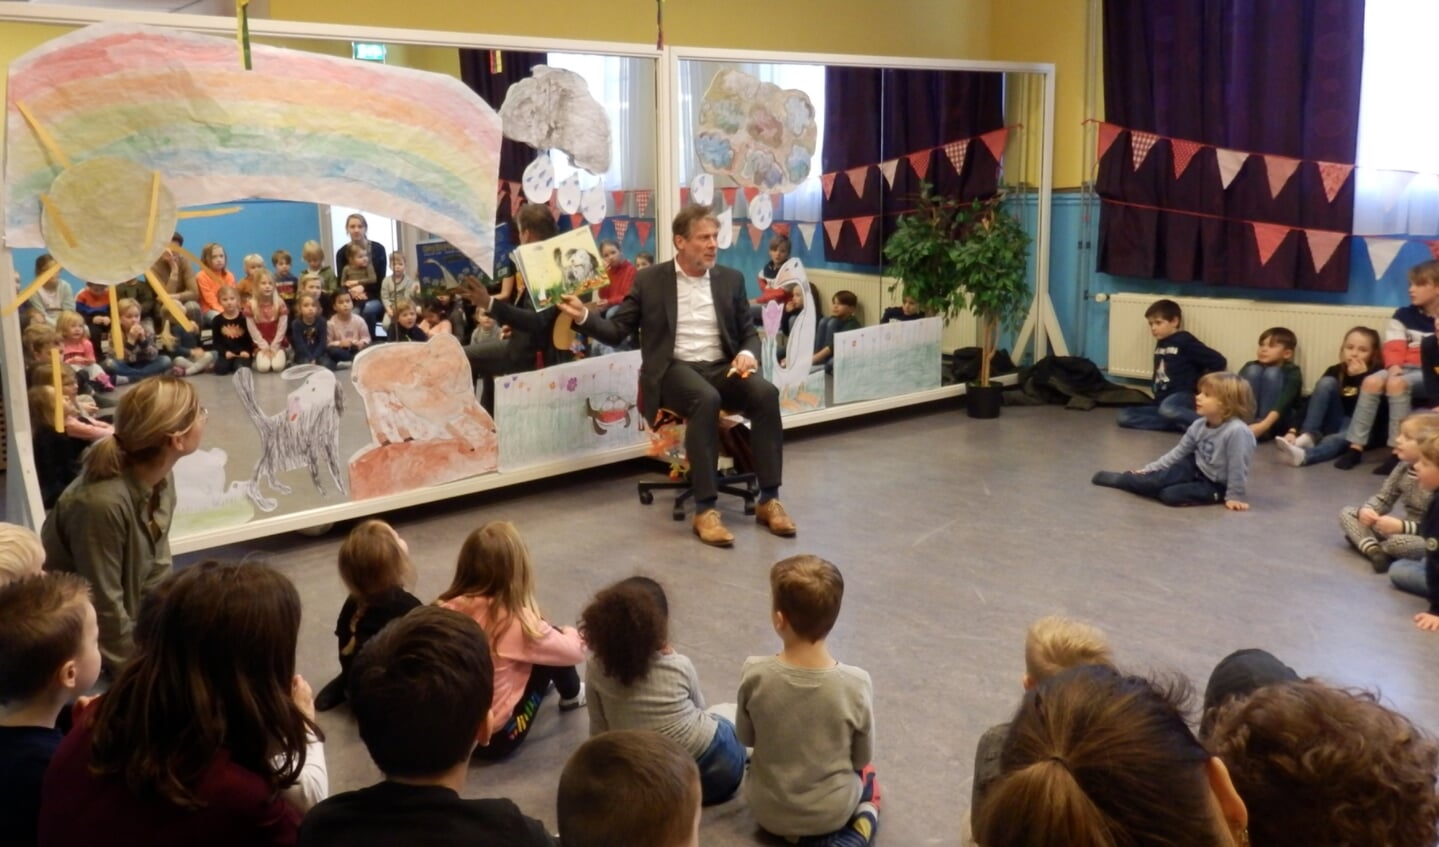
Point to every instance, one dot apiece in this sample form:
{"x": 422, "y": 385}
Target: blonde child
{"x": 397, "y": 287}
{"x": 433, "y": 321}
{"x": 1421, "y": 576}
{"x": 142, "y": 355}
{"x": 407, "y": 323}
{"x": 56, "y": 296}
{"x": 285, "y": 282}
{"x": 21, "y": 553}
{"x": 81, "y": 414}
{"x": 1377, "y": 535}
{"x": 36, "y": 342}
{"x": 1331, "y": 404}
{"x": 637, "y": 681}
{"x": 1211, "y": 463}
{"x": 230, "y": 335}
{"x": 348, "y": 334}
{"x": 494, "y": 584}
{"x": 78, "y": 351}
{"x": 809, "y": 718}
{"x": 267, "y": 321}
{"x": 314, "y": 257}
{"x": 254, "y": 265}
{"x": 375, "y": 567}
{"x": 212, "y": 277}
{"x": 314, "y": 285}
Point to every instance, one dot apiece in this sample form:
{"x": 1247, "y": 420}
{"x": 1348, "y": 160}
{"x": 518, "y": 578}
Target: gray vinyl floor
{"x": 953, "y": 535}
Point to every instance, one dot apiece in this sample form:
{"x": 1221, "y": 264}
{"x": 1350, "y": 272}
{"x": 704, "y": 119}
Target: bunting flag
{"x": 1322, "y": 245}
{"x": 1268, "y": 237}
{"x": 995, "y": 141}
{"x": 956, "y": 151}
{"x": 889, "y": 169}
{"x": 857, "y": 179}
{"x": 755, "y": 234}
{"x": 1140, "y": 143}
{"x": 1333, "y": 175}
{"x": 1105, "y": 139}
{"x": 827, "y": 180}
{"x": 642, "y": 202}
{"x": 806, "y": 234}
{"x": 831, "y": 231}
{"x": 619, "y": 201}
{"x": 1433, "y": 248}
{"x": 779, "y": 228}
{"x": 919, "y": 161}
{"x": 1230, "y": 163}
{"x": 622, "y": 225}
{"x": 1382, "y": 252}
{"x": 729, "y": 195}
{"x": 775, "y": 199}
{"x": 864, "y": 226}
{"x": 684, "y": 196}
{"x": 1183, "y": 154}
{"x": 643, "y": 228}
{"x": 750, "y": 192}
{"x": 576, "y": 219}
{"x": 595, "y": 228}
{"x": 1281, "y": 170}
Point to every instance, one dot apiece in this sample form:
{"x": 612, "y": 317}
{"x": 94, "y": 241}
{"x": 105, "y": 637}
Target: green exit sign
{"x": 367, "y": 51}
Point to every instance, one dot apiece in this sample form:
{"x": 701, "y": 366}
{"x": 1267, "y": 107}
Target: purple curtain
{"x": 1277, "y": 77}
{"x": 492, "y": 88}
{"x": 873, "y": 115}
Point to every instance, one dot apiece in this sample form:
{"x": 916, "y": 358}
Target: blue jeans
{"x": 1325, "y": 414}
{"x": 1181, "y": 484}
{"x": 1331, "y": 446}
{"x": 1267, "y": 382}
{"x": 1408, "y": 575}
{"x": 1172, "y": 414}
{"x": 120, "y": 367}
{"x": 721, "y": 765}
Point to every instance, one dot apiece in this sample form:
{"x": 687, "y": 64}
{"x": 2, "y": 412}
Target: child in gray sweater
{"x": 1211, "y": 462}
{"x": 809, "y": 718}
{"x": 1379, "y": 536}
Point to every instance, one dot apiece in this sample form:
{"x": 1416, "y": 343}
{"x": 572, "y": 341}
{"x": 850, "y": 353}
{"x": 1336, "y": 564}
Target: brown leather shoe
{"x": 710, "y": 529}
{"x": 772, "y": 514}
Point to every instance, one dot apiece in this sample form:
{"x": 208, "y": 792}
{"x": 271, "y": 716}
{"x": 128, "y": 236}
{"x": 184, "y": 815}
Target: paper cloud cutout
{"x": 539, "y": 179}
{"x": 761, "y": 211}
{"x": 725, "y": 237}
{"x": 570, "y": 195}
{"x": 594, "y": 204}
{"x": 702, "y": 190}
{"x": 756, "y": 132}
{"x": 554, "y": 108}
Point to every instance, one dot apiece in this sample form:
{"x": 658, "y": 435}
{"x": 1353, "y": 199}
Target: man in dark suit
{"x": 700, "y": 354}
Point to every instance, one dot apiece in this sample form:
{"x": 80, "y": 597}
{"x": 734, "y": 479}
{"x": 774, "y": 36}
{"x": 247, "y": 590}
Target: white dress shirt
{"x": 697, "y": 331}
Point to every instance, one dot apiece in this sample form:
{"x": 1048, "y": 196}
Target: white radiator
{"x": 1233, "y": 326}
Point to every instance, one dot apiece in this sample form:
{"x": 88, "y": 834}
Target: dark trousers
{"x": 506, "y": 739}
{"x": 1181, "y": 484}
{"x": 697, "y": 391}
{"x": 225, "y": 367}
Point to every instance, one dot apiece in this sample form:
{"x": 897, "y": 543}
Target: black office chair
{"x": 667, "y": 443}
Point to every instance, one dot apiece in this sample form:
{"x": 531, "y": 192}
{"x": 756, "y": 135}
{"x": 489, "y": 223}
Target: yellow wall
{"x": 1050, "y": 31}
{"x": 17, "y": 39}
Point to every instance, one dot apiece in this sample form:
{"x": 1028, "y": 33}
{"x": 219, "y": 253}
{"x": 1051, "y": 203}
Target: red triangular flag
{"x": 780, "y": 228}
{"x": 1322, "y": 245}
{"x": 755, "y": 234}
{"x": 622, "y": 225}
{"x": 619, "y": 204}
{"x": 642, "y": 201}
{"x": 775, "y": 199}
{"x": 643, "y": 228}
{"x": 684, "y": 197}
{"x": 1183, "y": 154}
{"x": 1281, "y": 168}
{"x": 857, "y": 179}
{"x": 919, "y": 162}
{"x": 1230, "y": 163}
{"x": 864, "y": 226}
{"x": 1107, "y": 135}
{"x": 1140, "y": 143}
{"x": 729, "y": 194}
{"x": 1268, "y": 237}
{"x": 575, "y": 220}
{"x": 889, "y": 169}
{"x": 956, "y": 151}
{"x": 1333, "y": 175}
{"x": 595, "y": 228}
{"x": 1433, "y": 248}
{"x": 831, "y": 229}
{"x": 995, "y": 141}
{"x": 750, "y": 192}
{"x": 827, "y": 180}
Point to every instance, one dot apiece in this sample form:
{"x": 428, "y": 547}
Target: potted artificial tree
{"x": 952, "y": 256}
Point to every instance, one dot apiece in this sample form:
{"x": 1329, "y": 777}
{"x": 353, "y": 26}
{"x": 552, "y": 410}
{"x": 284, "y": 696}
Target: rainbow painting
{"x": 416, "y": 146}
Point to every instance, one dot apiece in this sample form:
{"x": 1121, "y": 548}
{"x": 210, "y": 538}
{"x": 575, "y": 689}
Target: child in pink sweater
{"x": 494, "y": 584}
{"x": 78, "y": 351}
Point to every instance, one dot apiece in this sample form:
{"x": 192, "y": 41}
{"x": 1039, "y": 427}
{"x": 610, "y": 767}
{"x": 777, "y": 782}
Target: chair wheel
{"x": 647, "y": 497}
{"x": 678, "y": 514}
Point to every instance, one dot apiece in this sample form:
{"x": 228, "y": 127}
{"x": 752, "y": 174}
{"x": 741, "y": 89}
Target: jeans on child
{"x": 1181, "y": 484}
{"x": 1367, "y": 408}
{"x": 722, "y": 764}
{"x": 1408, "y": 575}
{"x": 1325, "y": 422}
{"x": 1172, "y": 414}
{"x": 1267, "y": 381}
{"x": 154, "y": 367}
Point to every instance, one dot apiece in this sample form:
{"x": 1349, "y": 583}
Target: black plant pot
{"x": 983, "y": 401}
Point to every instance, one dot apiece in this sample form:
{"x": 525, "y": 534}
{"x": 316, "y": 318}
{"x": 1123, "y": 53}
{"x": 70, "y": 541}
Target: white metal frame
{"x": 23, "y": 497}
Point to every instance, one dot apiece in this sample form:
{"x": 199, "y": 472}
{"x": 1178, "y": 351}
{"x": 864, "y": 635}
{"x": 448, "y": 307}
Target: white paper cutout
{"x": 594, "y": 204}
{"x": 702, "y": 190}
{"x": 554, "y": 108}
{"x": 759, "y": 134}
{"x": 1383, "y": 252}
{"x": 570, "y": 194}
{"x": 761, "y": 211}
{"x": 539, "y": 179}
{"x": 726, "y": 229}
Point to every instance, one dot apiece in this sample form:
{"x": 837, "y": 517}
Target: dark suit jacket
{"x": 652, "y": 307}
{"x": 530, "y": 331}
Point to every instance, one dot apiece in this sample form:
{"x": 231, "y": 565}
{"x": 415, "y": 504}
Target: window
{"x": 625, "y": 87}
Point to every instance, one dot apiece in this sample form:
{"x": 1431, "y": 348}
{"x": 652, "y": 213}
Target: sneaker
{"x": 1349, "y": 460}
{"x": 1304, "y": 441}
{"x": 1293, "y": 454}
{"x": 1378, "y": 558}
{"x": 1388, "y": 466}
{"x": 122, "y": 380}
{"x": 569, "y": 704}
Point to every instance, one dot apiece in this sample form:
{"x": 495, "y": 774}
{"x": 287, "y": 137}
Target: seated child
{"x": 286, "y": 285}
{"x": 82, "y": 415}
{"x": 840, "y": 319}
{"x": 1051, "y": 645}
{"x": 1321, "y": 436}
{"x": 1211, "y": 462}
{"x": 57, "y": 454}
{"x": 453, "y": 310}
{"x": 1379, "y": 536}
{"x": 267, "y": 321}
{"x": 637, "y": 681}
{"x": 433, "y": 320}
{"x": 51, "y": 656}
{"x": 346, "y": 332}
{"x": 142, "y": 356}
{"x": 621, "y": 273}
{"x": 779, "y": 252}
{"x": 630, "y": 787}
{"x": 358, "y": 278}
{"x": 1180, "y": 360}
{"x": 376, "y": 569}
{"x": 809, "y": 718}
{"x": 140, "y": 291}
{"x": 1421, "y": 576}
{"x": 93, "y": 304}
{"x": 249, "y": 284}
{"x": 213, "y": 276}
{"x": 1276, "y": 382}
{"x": 21, "y": 553}
{"x": 56, "y": 296}
{"x": 187, "y": 354}
{"x": 230, "y": 335}
{"x": 314, "y": 285}
{"x": 421, "y": 692}
{"x": 1403, "y": 339}
{"x": 308, "y": 335}
{"x": 78, "y": 351}
{"x": 407, "y": 325}
{"x": 909, "y": 311}
{"x": 314, "y": 256}
{"x": 397, "y": 287}
{"x": 644, "y": 259}
{"x": 494, "y": 584}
